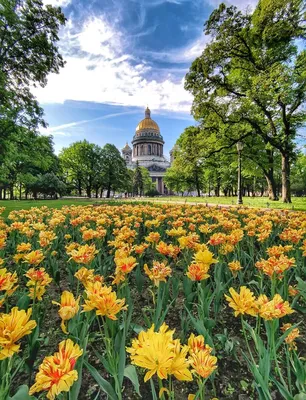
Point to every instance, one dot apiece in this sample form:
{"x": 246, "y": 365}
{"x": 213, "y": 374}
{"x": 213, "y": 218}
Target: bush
{"x": 152, "y": 193}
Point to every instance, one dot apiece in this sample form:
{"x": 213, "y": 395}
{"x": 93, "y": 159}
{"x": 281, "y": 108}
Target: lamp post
{"x": 239, "y": 149}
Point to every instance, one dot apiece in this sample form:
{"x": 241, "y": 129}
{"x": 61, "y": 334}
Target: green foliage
{"x": 27, "y": 156}
{"x": 251, "y": 79}
{"x": 28, "y": 53}
{"x": 186, "y": 172}
{"x": 114, "y": 170}
{"x": 138, "y": 180}
{"x": 80, "y": 163}
{"x": 298, "y": 172}
{"x": 48, "y": 184}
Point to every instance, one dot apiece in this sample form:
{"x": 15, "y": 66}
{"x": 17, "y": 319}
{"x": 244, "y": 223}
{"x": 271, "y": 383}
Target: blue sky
{"x": 122, "y": 55}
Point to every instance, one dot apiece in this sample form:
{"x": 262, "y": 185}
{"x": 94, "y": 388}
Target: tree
{"x": 176, "y": 178}
{"x": 189, "y": 157}
{"x": 28, "y": 53}
{"x": 138, "y": 180}
{"x": 253, "y": 72}
{"x": 81, "y": 163}
{"x": 27, "y": 154}
{"x": 48, "y": 185}
{"x": 114, "y": 170}
{"x": 299, "y": 175}
{"x": 219, "y": 137}
{"x": 148, "y": 185}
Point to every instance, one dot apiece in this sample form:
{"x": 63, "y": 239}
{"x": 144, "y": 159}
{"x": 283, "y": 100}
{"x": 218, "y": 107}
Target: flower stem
{"x": 275, "y": 355}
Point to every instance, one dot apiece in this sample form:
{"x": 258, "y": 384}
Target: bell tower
{"x": 127, "y": 153}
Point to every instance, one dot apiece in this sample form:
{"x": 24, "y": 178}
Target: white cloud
{"x": 47, "y": 132}
{"x": 58, "y": 130}
{"x": 102, "y": 71}
{"x": 57, "y": 3}
{"x": 98, "y": 38}
{"x": 183, "y": 55}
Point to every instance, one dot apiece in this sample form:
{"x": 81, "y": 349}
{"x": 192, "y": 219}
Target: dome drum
{"x": 147, "y": 149}
{"x": 146, "y": 138}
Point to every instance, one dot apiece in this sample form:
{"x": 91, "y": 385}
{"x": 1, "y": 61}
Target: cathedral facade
{"x": 148, "y": 150}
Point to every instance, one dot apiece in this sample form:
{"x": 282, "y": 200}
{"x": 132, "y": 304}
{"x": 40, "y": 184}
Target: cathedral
{"x": 148, "y": 150}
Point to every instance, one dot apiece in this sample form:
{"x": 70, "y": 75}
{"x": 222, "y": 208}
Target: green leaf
{"x": 153, "y": 391}
{"x": 137, "y": 328}
{"x": 283, "y": 391}
{"x": 23, "y": 302}
{"x": 131, "y": 373}
{"x": 299, "y": 369}
{"x": 199, "y": 326}
{"x": 139, "y": 279}
{"x": 300, "y": 396}
{"x": 22, "y": 394}
{"x": 104, "y": 385}
{"x": 122, "y": 357}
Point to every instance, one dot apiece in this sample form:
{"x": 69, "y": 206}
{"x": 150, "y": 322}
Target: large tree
{"x": 189, "y": 156}
{"x": 254, "y": 72}
{"x": 27, "y": 155}
{"x": 219, "y": 136}
{"x": 81, "y": 164}
{"x": 28, "y": 53}
{"x": 114, "y": 170}
{"x": 137, "y": 180}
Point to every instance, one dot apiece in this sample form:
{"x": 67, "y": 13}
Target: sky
{"x": 121, "y": 56}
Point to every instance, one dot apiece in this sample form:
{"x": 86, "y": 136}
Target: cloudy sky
{"x": 122, "y": 55}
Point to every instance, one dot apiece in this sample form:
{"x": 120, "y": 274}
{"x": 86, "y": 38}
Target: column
{"x": 160, "y": 185}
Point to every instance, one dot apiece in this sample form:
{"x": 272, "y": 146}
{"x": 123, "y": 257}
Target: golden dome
{"x": 147, "y": 122}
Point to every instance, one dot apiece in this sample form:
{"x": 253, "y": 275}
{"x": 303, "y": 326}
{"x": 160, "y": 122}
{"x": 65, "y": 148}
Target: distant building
{"x": 148, "y": 150}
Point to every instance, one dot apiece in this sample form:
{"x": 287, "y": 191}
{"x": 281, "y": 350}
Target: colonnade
{"x": 148, "y": 149}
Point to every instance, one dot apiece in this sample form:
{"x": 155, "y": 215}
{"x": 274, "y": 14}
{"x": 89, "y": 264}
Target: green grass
{"x": 298, "y": 203}
{"x": 11, "y": 205}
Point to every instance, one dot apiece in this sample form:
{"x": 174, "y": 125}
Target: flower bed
{"x": 163, "y": 301}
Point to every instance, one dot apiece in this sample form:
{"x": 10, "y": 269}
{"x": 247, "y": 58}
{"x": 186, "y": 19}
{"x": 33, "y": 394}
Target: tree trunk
{"x": 97, "y": 193}
{"x": 197, "y": 184}
{"x": 20, "y": 191}
{"x": 271, "y": 186}
{"x": 108, "y": 191}
{"x": 286, "y": 189}
{"x": 254, "y": 187}
{"x": 88, "y": 191}
{"x": 11, "y": 192}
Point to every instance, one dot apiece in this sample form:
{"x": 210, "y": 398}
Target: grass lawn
{"x": 11, "y": 205}
{"x": 298, "y": 203}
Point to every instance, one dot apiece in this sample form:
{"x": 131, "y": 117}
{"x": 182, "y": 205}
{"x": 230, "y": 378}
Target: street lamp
{"x": 239, "y": 149}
